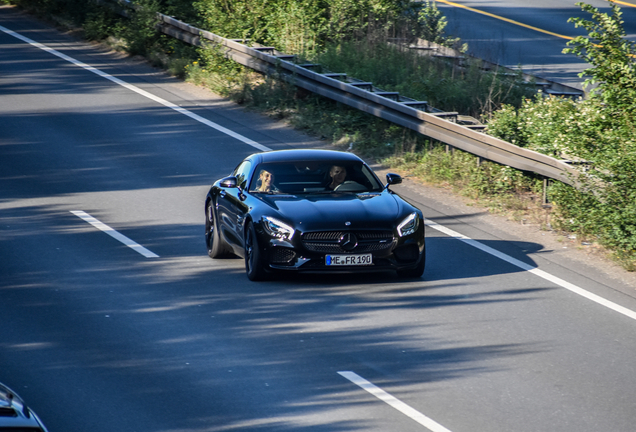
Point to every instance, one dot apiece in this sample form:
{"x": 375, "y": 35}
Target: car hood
{"x": 334, "y": 211}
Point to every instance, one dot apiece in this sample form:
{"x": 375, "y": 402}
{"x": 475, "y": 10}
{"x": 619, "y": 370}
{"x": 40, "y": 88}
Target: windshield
{"x": 314, "y": 177}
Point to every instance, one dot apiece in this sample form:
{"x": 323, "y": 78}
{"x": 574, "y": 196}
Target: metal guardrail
{"x": 364, "y": 96}
{"x": 431, "y": 49}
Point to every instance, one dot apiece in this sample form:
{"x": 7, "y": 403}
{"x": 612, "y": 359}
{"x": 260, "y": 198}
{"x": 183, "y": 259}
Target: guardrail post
{"x": 546, "y": 198}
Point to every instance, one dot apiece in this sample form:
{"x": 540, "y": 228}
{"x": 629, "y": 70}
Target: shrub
{"x": 467, "y": 90}
{"x": 298, "y": 26}
{"x": 598, "y": 131}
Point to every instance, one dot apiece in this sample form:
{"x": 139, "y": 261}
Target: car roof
{"x": 13, "y": 411}
{"x": 304, "y": 155}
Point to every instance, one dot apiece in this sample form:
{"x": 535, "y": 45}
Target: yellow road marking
{"x": 507, "y": 19}
{"x": 625, "y": 3}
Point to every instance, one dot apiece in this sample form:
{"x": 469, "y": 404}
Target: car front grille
{"x": 329, "y": 242}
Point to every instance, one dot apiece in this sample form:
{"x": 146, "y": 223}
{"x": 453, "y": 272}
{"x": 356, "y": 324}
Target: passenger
{"x": 338, "y": 175}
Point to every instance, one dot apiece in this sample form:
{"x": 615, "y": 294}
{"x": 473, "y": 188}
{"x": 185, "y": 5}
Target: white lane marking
{"x": 135, "y": 89}
{"x": 114, "y": 234}
{"x": 526, "y": 267}
{"x": 405, "y": 409}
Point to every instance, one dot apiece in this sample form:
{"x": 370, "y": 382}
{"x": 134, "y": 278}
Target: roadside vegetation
{"x": 598, "y": 133}
{"x": 358, "y": 37}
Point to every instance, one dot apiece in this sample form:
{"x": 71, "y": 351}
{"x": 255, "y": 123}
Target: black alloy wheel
{"x": 253, "y": 256}
{"x": 216, "y": 248}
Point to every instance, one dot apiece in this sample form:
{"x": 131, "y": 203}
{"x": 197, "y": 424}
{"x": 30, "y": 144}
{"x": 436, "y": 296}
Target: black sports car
{"x": 15, "y": 415}
{"x": 313, "y": 211}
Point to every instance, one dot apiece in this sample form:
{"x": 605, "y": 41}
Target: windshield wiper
{"x": 319, "y": 192}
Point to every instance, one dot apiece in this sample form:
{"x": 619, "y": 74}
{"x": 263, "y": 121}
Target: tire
{"x": 253, "y": 255}
{"x": 216, "y": 247}
{"x": 415, "y": 272}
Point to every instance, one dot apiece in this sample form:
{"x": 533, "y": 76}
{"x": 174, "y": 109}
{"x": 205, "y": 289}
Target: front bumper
{"x": 307, "y": 252}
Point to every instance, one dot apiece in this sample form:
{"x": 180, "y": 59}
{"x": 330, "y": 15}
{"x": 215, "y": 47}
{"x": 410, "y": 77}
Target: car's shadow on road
{"x": 446, "y": 259}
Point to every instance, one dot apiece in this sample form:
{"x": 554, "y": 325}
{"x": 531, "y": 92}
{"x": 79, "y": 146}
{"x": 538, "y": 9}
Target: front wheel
{"x": 253, "y": 255}
{"x": 216, "y": 248}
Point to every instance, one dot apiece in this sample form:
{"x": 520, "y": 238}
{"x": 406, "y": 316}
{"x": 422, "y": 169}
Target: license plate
{"x": 349, "y": 260}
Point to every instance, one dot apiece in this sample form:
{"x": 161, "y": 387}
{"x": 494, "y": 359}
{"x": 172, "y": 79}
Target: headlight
{"x": 409, "y": 225}
{"x": 277, "y": 229}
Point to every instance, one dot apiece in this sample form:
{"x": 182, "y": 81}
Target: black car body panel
{"x": 15, "y": 415}
{"x": 303, "y": 225}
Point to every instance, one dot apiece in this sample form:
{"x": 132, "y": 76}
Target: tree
{"x": 612, "y": 57}
{"x": 432, "y": 24}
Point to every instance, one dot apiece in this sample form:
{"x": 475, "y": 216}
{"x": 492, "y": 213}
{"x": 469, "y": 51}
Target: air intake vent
{"x": 7, "y": 412}
{"x": 279, "y": 255}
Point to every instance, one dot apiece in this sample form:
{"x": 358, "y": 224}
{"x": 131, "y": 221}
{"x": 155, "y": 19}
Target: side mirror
{"x": 229, "y": 182}
{"x": 232, "y": 183}
{"x": 392, "y": 179}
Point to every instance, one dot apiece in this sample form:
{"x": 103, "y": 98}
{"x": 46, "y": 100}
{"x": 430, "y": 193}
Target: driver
{"x": 338, "y": 175}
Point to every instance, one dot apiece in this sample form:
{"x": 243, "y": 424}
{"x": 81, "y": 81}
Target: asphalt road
{"x": 527, "y": 34}
{"x": 501, "y": 333}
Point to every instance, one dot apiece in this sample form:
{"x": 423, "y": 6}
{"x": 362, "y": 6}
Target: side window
{"x": 241, "y": 172}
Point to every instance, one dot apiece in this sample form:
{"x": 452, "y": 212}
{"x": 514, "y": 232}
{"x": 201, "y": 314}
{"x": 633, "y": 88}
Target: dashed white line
{"x": 405, "y": 409}
{"x": 114, "y": 234}
{"x": 526, "y": 267}
{"x": 137, "y": 90}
